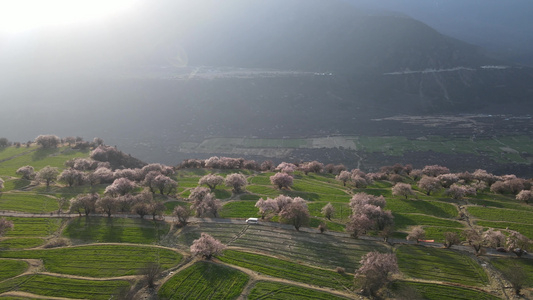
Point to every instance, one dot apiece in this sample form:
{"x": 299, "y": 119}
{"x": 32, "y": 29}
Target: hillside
{"x": 47, "y": 253}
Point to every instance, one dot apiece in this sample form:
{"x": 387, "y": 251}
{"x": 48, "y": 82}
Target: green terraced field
{"x": 524, "y": 229}
{"x": 401, "y": 221}
{"x": 288, "y": 270}
{"x": 40, "y": 159}
{"x": 440, "y": 264}
{"x": 511, "y": 263}
{"x": 11, "y": 268}
{"x": 116, "y": 230}
{"x": 266, "y": 290}
{"x": 27, "y": 202}
{"x": 501, "y": 214}
{"x": 239, "y": 209}
{"x": 204, "y": 280}
{"x": 34, "y": 227}
{"x": 431, "y": 208}
{"x": 98, "y": 260}
{"x": 433, "y": 291}
{"x": 52, "y": 286}
{"x": 20, "y": 243}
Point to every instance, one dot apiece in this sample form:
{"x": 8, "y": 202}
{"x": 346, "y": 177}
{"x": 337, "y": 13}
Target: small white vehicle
{"x": 252, "y": 221}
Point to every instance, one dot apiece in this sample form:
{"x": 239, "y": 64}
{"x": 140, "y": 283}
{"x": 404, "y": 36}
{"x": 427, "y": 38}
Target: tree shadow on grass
{"x": 43, "y": 153}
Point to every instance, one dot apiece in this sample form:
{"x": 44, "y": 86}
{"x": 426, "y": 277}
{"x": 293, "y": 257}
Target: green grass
{"x": 504, "y": 264}
{"x": 433, "y": 208}
{"x": 33, "y": 227}
{"x": 11, "y": 268}
{"x": 40, "y": 159}
{"x": 265, "y": 290}
{"x": 440, "y": 265}
{"x": 342, "y": 210}
{"x": 116, "y": 230}
{"x": 204, "y": 280}
{"x": 14, "y": 184}
{"x": 432, "y": 291}
{"x": 287, "y": 270}
{"x": 401, "y": 221}
{"x": 27, "y": 202}
{"x": 500, "y": 214}
{"x": 9, "y": 152}
{"x": 524, "y": 229}
{"x": 239, "y": 209}
{"x": 263, "y": 191}
{"x": 20, "y": 243}
{"x": 52, "y": 286}
{"x": 98, "y": 260}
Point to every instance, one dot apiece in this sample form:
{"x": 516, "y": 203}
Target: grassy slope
{"x": 99, "y": 260}
{"x": 204, "y": 280}
{"x": 436, "y": 213}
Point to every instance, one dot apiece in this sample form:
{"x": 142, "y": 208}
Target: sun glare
{"x": 23, "y": 15}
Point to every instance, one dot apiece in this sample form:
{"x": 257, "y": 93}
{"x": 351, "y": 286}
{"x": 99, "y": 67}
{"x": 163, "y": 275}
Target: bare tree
{"x": 281, "y": 180}
{"x": 516, "y": 275}
{"x": 156, "y": 209}
{"x": 402, "y": 189}
{"x": 47, "y": 174}
{"x": 5, "y": 225}
{"x": 165, "y": 184}
{"x": 211, "y": 181}
{"x": 416, "y": 234}
{"x": 141, "y": 208}
{"x": 207, "y": 246}
{"x": 182, "y": 214}
{"x": 328, "y": 211}
{"x": 375, "y": 270}
{"x": 149, "y": 272}
{"x": 474, "y": 239}
{"x": 236, "y": 181}
{"x": 108, "y": 205}
{"x": 451, "y": 238}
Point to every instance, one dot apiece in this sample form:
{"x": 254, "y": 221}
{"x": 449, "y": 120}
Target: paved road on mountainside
{"x": 489, "y": 251}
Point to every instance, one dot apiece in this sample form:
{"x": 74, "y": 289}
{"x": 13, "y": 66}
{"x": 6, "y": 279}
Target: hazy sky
{"x": 22, "y": 16}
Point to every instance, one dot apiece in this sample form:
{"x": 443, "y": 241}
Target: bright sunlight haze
{"x": 23, "y": 15}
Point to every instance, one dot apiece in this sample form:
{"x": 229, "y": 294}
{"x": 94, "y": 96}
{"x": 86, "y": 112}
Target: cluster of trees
{"x": 291, "y": 210}
{"x": 142, "y": 204}
{"x": 368, "y": 215}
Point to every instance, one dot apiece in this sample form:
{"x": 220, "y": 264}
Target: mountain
{"x": 503, "y": 28}
{"x": 184, "y": 70}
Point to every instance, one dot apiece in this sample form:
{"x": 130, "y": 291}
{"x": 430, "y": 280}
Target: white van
{"x": 252, "y": 221}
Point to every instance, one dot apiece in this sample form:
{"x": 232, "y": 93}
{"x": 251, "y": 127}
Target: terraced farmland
{"x": 116, "y": 230}
{"x": 52, "y": 286}
{"x": 98, "y": 260}
{"x": 287, "y": 270}
{"x": 204, "y": 280}
{"x": 440, "y": 265}
{"x": 266, "y": 261}
{"x": 265, "y": 290}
